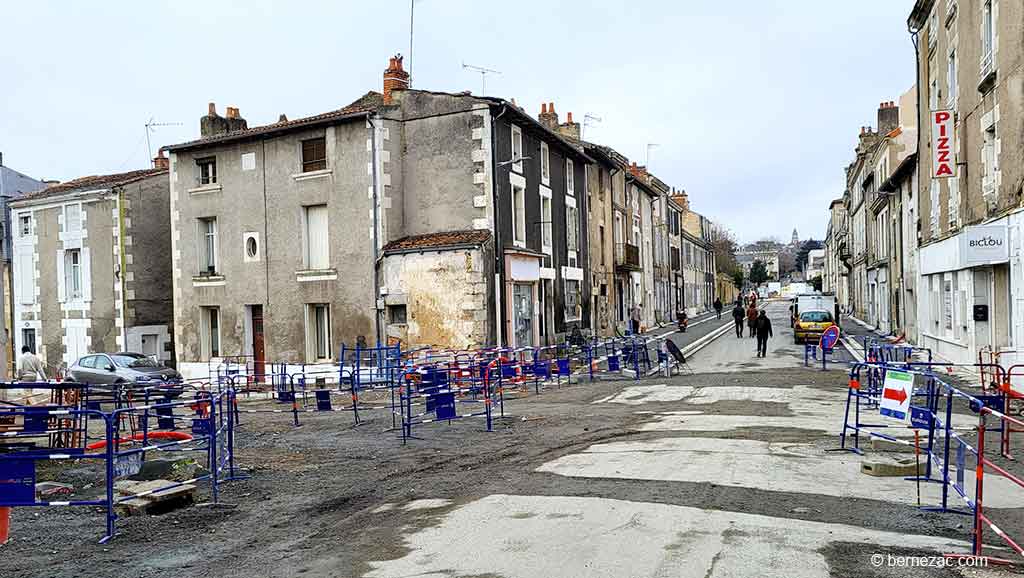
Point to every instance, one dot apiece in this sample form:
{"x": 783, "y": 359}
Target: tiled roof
{"x": 93, "y": 182}
{"x": 438, "y": 240}
{"x": 364, "y": 104}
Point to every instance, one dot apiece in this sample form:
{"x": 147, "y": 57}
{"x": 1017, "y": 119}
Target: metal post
{"x": 111, "y": 439}
{"x": 295, "y": 401}
{"x": 590, "y": 360}
{"x": 214, "y": 467}
{"x": 355, "y": 402}
{"x": 636, "y": 360}
{"x": 979, "y": 473}
{"x": 231, "y": 435}
{"x": 945, "y": 459}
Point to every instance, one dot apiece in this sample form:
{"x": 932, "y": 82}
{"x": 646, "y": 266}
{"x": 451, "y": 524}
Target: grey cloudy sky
{"x": 755, "y": 104}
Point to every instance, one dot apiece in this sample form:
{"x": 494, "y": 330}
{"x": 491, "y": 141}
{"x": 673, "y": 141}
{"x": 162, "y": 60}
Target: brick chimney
{"x": 570, "y": 129}
{"x": 888, "y": 117}
{"x": 548, "y": 117}
{"x": 395, "y": 77}
{"x": 160, "y": 161}
{"x": 235, "y": 120}
{"x": 639, "y": 172}
{"x": 213, "y": 124}
{"x": 681, "y": 199}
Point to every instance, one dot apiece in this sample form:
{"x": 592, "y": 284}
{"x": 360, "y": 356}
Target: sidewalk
{"x": 854, "y": 331}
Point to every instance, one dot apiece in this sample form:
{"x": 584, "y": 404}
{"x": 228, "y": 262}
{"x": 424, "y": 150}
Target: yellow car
{"x": 811, "y": 325}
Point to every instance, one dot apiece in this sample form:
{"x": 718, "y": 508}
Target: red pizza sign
{"x": 943, "y": 159}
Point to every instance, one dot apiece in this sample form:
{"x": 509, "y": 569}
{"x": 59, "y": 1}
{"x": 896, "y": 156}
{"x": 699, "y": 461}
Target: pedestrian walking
{"x": 764, "y": 331}
{"x": 751, "y": 318}
{"x": 718, "y": 307}
{"x": 634, "y": 318}
{"x": 683, "y": 319}
{"x": 737, "y": 316}
{"x": 30, "y": 367}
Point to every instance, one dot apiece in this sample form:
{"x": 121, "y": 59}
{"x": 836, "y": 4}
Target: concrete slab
{"x": 797, "y": 468}
{"x": 531, "y": 536}
{"x": 427, "y": 504}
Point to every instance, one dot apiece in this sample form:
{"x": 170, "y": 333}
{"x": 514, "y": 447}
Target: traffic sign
{"x": 829, "y": 338}
{"x": 896, "y": 392}
{"x": 920, "y": 417}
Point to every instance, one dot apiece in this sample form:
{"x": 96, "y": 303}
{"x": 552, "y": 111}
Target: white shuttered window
{"x": 317, "y": 249}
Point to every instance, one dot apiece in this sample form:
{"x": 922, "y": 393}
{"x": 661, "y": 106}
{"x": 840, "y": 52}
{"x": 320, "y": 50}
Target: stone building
{"x": 604, "y": 176}
{"x": 641, "y": 195}
{"x": 836, "y": 272}
{"x": 751, "y": 254}
{"x": 92, "y": 267}
{"x": 698, "y": 259}
{"x": 13, "y": 185}
{"x": 344, "y": 212}
{"x": 860, "y": 185}
{"x": 970, "y": 61}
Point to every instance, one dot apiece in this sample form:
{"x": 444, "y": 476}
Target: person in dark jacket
{"x": 751, "y": 318}
{"x": 763, "y": 326}
{"x": 718, "y": 307}
{"x": 737, "y": 316}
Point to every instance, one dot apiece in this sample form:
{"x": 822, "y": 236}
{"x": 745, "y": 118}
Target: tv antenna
{"x": 588, "y": 120}
{"x": 483, "y": 75}
{"x": 151, "y": 127}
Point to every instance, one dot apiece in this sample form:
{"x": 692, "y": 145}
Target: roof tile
{"x": 367, "y": 103}
{"x": 438, "y": 240}
{"x": 93, "y": 182}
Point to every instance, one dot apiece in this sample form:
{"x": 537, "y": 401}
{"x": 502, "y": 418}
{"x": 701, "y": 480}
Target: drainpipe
{"x": 376, "y": 228}
{"x": 122, "y": 266}
{"x": 499, "y": 265}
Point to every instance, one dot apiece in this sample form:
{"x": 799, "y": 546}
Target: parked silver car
{"x": 121, "y": 368}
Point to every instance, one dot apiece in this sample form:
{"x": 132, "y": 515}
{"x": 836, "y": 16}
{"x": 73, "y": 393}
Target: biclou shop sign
{"x": 943, "y": 158}
{"x": 984, "y": 245}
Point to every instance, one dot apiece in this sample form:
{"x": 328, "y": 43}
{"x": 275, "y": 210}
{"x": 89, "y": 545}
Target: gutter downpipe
{"x": 499, "y": 256}
{"x": 376, "y": 227}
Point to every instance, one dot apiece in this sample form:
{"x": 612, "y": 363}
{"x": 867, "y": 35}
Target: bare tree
{"x": 723, "y": 243}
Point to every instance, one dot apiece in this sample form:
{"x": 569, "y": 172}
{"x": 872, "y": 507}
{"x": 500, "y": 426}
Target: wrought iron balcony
{"x": 627, "y": 257}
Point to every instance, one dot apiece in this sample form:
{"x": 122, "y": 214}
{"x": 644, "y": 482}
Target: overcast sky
{"x": 755, "y": 105}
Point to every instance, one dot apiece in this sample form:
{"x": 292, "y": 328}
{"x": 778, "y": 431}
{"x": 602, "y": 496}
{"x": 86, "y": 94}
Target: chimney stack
{"x": 235, "y": 120}
{"x": 547, "y": 116}
{"x": 395, "y": 78}
{"x": 888, "y": 117}
{"x": 160, "y": 161}
{"x": 570, "y": 129}
{"x": 213, "y": 124}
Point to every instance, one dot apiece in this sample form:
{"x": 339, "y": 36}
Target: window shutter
{"x": 316, "y": 223}
{"x": 25, "y": 274}
{"x": 86, "y": 272}
{"x": 61, "y": 279}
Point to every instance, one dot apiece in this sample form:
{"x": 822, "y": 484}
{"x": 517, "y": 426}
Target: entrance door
{"x": 522, "y": 304}
{"x": 620, "y": 298}
{"x": 258, "y": 350}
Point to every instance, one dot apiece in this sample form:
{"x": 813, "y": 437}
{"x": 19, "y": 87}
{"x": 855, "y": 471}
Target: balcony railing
{"x": 627, "y": 256}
